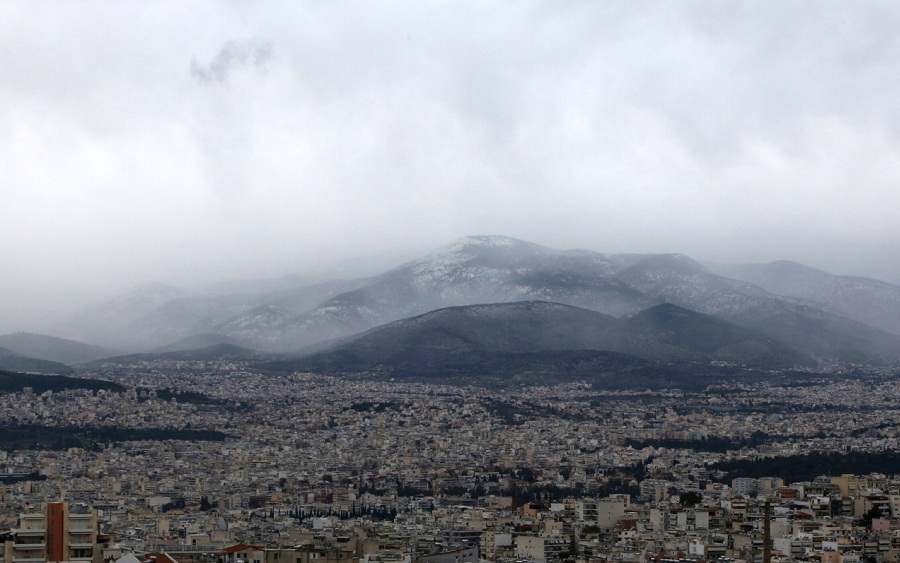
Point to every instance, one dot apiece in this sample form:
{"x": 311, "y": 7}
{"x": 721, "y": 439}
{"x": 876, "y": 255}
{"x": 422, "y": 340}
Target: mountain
{"x": 199, "y": 341}
{"x": 713, "y": 338}
{"x": 207, "y": 353}
{"x": 486, "y": 269}
{"x": 872, "y": 302}
{"x": 155, "y": 316}
{"x": 679, "y": 280}
{"x": 54, "y": 349}
{"x": 821, "y": 322}
{"x": 107, "y": 322}
{"x": 515, "y": 327}
{"x": 13, "y": 362}
{"x": 493, "y": 269}
{"x": 543, "y": 337}
{"x": 254, "y": 286}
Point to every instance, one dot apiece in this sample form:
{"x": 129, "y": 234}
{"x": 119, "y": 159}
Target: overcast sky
{"x": 186, "y": 142}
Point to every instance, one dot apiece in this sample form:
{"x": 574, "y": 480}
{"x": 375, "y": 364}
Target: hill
{"x": 501, "y": 269}
{"x": 53, "y": 349}
{"x": 214, "y": 352}
{"x": 872, "y": 302}
{"x": 10, "y": 361}
{"x": 713, "y": 338}
{"x": 497, "y": 269}
{"x": 553, "y": 339}
{"x": 152, "y": 317}
{"x": 11, "y": 382}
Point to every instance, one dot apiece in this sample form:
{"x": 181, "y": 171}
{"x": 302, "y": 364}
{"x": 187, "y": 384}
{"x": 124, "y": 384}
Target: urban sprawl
{"x": 292, "y": 469}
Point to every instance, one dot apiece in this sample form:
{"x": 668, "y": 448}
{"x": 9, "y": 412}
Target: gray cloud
{"x": 233, "y": 55}
{"x": 741, "y": 131}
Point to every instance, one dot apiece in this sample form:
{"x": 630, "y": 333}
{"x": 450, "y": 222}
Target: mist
{"x": 188, "y": 143}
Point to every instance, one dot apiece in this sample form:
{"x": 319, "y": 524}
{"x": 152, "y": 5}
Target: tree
{"x": 690, "y": 498}
{"x": 872, "y": 514}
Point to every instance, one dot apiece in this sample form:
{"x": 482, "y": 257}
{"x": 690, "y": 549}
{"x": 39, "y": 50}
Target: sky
{"x": 189, "y": 142}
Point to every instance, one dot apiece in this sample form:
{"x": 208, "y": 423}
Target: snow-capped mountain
{"x": 864, "y": 300}
{"x": 156, "y": 316}
{"x": 497, "y": 269}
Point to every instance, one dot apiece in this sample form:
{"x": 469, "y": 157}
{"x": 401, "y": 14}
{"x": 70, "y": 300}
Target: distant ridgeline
{"x": 11, "y": 382}
{"x": 18, "y": 364}
{"x": 806, "y": 467}
{"x": 658, "y": 307}
{"x": 35, "y": 437}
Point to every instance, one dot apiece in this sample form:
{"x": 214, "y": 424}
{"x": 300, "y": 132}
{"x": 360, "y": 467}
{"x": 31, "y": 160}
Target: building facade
{"x": 59, "y": 533}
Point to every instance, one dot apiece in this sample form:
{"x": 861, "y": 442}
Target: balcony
{"x": 81, "y": 530}
{"x": 31, "y": 531}
{"x": 36, "y": 546}
{"x": 81, "y": 545}
{"x": 29, "y": 559}
{"x": 184, "y": 548}
{"x": 34, "y": 516}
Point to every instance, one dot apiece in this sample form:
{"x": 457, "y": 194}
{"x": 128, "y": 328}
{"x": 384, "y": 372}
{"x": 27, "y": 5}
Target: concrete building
{"x": 60, "y": 533}
{"x": 468, "y": 555}
{"x": 541, "y": 549}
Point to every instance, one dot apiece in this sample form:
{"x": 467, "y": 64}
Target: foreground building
{"x": 61, "y": 532}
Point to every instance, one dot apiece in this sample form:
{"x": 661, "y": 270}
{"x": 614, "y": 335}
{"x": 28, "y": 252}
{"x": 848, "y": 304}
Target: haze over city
{"x": 189, "y": 143}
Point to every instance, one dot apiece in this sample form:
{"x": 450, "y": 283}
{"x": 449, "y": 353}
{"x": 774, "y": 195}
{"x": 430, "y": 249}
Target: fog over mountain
{"x": 188, "y": 145}
{"x": 650, "y": 306}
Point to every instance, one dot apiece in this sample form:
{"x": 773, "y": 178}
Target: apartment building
{"x": 58, "y": 533}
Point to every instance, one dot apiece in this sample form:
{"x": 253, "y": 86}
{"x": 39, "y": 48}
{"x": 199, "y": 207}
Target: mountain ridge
{"x": 498, "y": 269}
{"x": 531, "y": 335}
{"x": 52, "y": 348}
{"x": 865, "y": 300}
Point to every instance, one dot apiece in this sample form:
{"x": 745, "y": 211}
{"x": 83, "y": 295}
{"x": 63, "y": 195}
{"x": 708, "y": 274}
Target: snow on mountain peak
{"x": 484, "y": 241}
{"x": 491, "y": 240}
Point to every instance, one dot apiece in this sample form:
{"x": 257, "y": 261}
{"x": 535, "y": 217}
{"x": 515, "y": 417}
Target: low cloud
{"x": 192, "y": 142}
{"x": 232, "y": 56}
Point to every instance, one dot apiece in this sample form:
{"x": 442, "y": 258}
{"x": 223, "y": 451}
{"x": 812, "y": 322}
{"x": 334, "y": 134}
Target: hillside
{"x": 539, "y": 337}
{"x": 214, "y": 352}
{"x": 500, "y": 269}
{"x": 16, "y": 363}
{"x": 496, "y": 269}
{"x": 863, "y": 300}
{"x": 713, "y": 338}
{"x": 155, "y": 316}
{"x": 11, "y": 382}
{"x": 53, "y": 349}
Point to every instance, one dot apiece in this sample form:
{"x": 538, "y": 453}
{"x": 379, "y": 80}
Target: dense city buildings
{"x": 211, "y": 461}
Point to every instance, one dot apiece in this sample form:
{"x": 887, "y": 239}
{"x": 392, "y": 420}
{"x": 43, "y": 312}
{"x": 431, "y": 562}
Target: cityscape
{"x": 299, "y": 467}
{"x": 467, "y": 281}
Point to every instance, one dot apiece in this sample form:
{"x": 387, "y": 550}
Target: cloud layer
{"x": 184, "y": 142}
